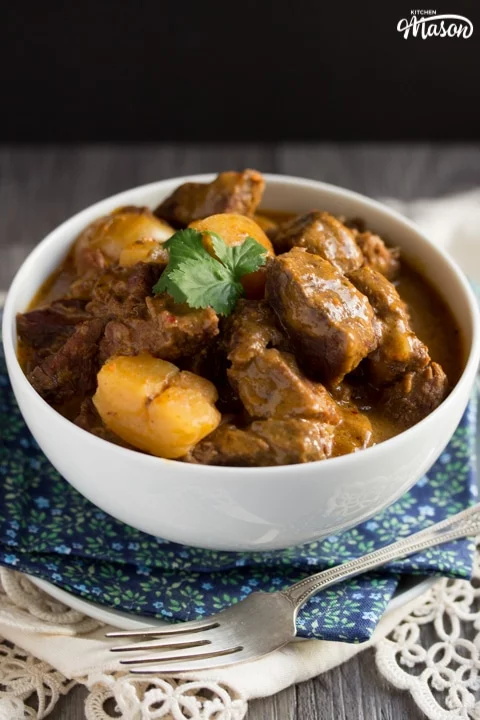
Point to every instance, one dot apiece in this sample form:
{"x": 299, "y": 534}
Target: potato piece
{"x": 129, "y": 380}
{"x": 143, "y": 250}
{"x": 187, "y": 379}
{"x": 102, "y": 242}
{"x": 153, "y": 406}
{"x": 178, "y": 419}
{"x": 234, "y": 229}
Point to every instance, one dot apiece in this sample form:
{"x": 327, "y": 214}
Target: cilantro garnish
{"x": 195, "y": 277}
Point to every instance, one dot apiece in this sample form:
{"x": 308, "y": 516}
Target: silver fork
{"x": 264, "y": 622}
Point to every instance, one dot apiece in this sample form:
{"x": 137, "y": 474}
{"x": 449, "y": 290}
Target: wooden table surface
{"x": 40, "y": 187}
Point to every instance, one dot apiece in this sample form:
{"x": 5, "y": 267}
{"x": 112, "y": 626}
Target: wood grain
{"x": 41, "y": 187}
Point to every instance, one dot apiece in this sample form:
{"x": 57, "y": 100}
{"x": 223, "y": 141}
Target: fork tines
{"x": 181, "y": 628}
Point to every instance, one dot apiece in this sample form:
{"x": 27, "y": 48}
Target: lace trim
{"x": 146, "y": 698}
{"x": 41, "y": 613}
{"x": 23, "y": 594}
{"x": 21, "y": 677}
{"x": 442, "y": 674}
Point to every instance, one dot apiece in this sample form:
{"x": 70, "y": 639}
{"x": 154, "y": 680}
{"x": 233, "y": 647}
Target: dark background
{"x": 224, "y": 71}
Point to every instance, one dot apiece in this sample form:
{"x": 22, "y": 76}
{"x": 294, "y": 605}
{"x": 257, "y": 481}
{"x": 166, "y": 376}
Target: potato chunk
{"x": 102, "y": 242}
{"x": 153, "y": 406}
{"x": 234, "y": 229}
{"x": 143, "y": 250}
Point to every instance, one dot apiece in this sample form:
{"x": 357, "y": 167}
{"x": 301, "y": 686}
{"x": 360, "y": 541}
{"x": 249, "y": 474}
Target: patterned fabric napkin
{"x": 49, "y": 530}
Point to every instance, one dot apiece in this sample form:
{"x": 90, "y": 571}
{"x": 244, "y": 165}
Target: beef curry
{"x": 212, "y": 332}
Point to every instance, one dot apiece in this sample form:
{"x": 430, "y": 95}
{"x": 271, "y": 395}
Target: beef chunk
{"x": 399, "y": 349}
{"x": 167, "y": 330}
{"x": 230, "y": 192}
{"x": 137, "y": 322}
{"x": 268, "y": 381}
{"x": 229, "y": 445}
{"x": 82, "y": 287}
{"x": 71, "y": 371}
{"x": 272, "y": 385}
{"x": 330, "y": 323}
{"x": 50, "y": 326}
{"x": 353, "y": 432}
{"x": 377, "y": 256}
{"x": 250, "y": 329}
{"x": 120, "y": 292}
{"x": 266, "y": 442}
{"x": 415, "y": 395}
{"x": 321, "y": 234}
{"x": 211, "y": 363}
{"x": 382, "y": 294}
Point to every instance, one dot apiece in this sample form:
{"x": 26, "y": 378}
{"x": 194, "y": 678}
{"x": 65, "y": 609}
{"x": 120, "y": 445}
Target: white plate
{"x": 409, "y": 589}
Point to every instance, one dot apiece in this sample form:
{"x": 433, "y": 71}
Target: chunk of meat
{"x": 265, "y": 442}
{"x": 330, "y": 323}
{"x": 138, "y": 323}
{"x": 321, "y": 234}
{"x": 250, "y": 329}
{"x": 230, "y": 192}
{"x": 45, "y": 327}
{"x": 71, "y": 371}
{"x": 353, "y": 432}
{"x": 120, "y": 292}
{"x": 167, "y": 330}
{"x": 272, "y": 385}
{"x": 211, "y": 363}
{"x": 268, "y": 381}
{"x": 82, "y": 287}
{"x": 415, "y": 395}
{"x": 399, "y": 349}
{"x": 382, "y": 294}
{"x": 377, "y": 255}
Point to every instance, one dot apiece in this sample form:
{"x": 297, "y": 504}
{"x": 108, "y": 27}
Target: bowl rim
{"x": 375, "y": 452}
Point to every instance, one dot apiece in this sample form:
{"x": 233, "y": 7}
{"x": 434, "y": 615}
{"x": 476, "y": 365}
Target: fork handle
{"x": 462, "y": 524}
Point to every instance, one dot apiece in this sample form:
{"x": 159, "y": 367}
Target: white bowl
{"x": 245, "y": 508}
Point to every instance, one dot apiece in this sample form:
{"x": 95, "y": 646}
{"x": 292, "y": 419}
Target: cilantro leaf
{"x": 205, "y": 285}
{"x": 185, "y": 245}
{"x": 195, "y": 277}
{"x": 164, "y": 285}
{"x": 240, "y": 259}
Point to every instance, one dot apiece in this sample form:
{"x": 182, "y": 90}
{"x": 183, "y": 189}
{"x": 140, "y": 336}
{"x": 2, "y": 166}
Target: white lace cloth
{"x": 47, "y": 647}
{"x": 442, "y": 676}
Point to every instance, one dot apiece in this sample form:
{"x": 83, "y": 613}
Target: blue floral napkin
{"x": 49, "y": 530}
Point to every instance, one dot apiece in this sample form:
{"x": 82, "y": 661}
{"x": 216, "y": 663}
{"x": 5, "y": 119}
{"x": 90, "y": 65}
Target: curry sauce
{"x": 339, "y": 344}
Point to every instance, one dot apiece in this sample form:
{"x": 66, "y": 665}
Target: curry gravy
{"x": 433, "y": 322}
{"x": 431, "y": 319}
